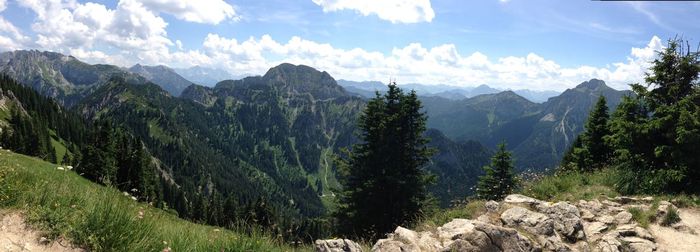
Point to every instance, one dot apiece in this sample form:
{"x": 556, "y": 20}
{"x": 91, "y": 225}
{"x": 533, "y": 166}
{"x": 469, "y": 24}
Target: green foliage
{"x": 99, "y": 218}
{"x": 499, "y": 179}
{"x": 655, "y": 133}
{"x": 644, "y": 217}
{"x": 384, "y": 183}
{"x": 671, "y": 217}
{"x": 591, "y": 150}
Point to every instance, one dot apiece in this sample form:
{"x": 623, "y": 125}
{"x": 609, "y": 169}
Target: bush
{"x": 671, "y": 217}
{"x": 644, "y": 218}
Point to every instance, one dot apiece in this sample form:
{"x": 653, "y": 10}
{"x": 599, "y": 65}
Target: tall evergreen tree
{"x": 499, "y": 179}
{"x": 655, "y": 133}
{"x": 384, "y": 183}
{"x": 591, "y": 149}
{"x": 597, "y": 129}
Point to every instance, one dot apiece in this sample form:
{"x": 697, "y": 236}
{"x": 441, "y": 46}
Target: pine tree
{"x": 655, "y": 134}
{"x": 499, "y": 179}
{"x": 597, "y": 129}
{"x": 384, "y": 183}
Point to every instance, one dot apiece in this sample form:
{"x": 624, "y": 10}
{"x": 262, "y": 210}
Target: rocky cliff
{"x": 521, "y": 223}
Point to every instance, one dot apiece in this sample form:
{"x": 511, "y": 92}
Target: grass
{"x": 671, "y": 217}
{"x": 471, "y": 210}
{"x": 98, "y": 218}
{"x": 571, "y": 186}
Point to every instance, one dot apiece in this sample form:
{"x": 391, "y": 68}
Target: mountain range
{"x": 205, "y": 76}
{"x": 538, "y": 133}
{"x": 367, "y": 89}
{"x": 275, "y": 136}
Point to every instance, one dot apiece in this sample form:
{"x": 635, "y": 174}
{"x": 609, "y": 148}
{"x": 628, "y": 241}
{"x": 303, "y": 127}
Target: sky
{"x": 508, "y": 44}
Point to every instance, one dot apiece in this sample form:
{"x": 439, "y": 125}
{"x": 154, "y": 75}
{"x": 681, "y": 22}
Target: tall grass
{"x": 98, "y": 218}
{"x": 571, "y": 186}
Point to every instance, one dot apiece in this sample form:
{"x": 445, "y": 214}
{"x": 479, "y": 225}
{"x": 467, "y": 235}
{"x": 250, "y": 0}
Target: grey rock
{"x": 636, "y": 244}
{"x": 623, "y": 217}
{"x": 518, "y": 199}
{"x": 337, "y": 245}
{"x": 533, "y": 222}
{"x": 491, "y": 206}
{"x": 567, "y": 220}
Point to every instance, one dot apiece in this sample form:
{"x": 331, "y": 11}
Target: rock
{"x": 457, "y": 235}
{"x": 636, "y": 244}
{"x": 492, "y": 206}
{"x": 623, "y": 217}
{"x": 632, "y": 230}
{"x": 567, "y": 220}
{"x": 595, "y": 228}
{"x": 44, "y": 241}
{"x": 522, "y": 200}
{"x": 607, "y": 219}
{"x": 533, "y": 222}
{"x": 610, "y": 203}
{"x": 587, "y": 215}
{"x": 337, "y": 245}
{"x": 609, "y": 243}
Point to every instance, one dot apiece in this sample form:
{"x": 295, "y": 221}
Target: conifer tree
{"x": 499, "y": 179}
{"x": 597, "y": 129}
{"x": 384, "y": 183}
{"x": 656, "y": 132}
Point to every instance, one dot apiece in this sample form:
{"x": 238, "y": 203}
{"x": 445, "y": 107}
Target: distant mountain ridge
{"x": 60, "y": 76}
{"x": 162, "y": 76}
{"x": 367, "y": 89}
{"x": 205, "y": 76}
{"x": 537, "y": 133}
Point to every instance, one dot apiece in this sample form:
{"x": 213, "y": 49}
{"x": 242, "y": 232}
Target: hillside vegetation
{"x": 99, "y": 218}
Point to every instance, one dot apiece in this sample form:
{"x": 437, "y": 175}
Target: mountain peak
{"x": 304, "y": 79}
{"x": 592, "y": 84}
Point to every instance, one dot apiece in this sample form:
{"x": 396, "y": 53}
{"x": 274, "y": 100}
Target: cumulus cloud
{"x": 201, "y": 11}
{"x": 133, "y": 32}
{"x": 416, "y": 63}
{"x": 395, "y": 11}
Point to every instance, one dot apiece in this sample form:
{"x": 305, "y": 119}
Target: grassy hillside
{"x": 99, "y": 218}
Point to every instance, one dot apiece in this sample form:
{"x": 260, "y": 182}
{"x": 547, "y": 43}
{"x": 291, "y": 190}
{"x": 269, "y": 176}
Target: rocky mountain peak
{"x": 593, "y": 84}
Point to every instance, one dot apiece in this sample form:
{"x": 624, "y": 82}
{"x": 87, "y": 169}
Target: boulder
{"x": 518, "y": 199}
{"x": 623, "y": 218}
{"x": 491, "y": 206}
{"x": 636, "y": 244}
{"x": 337, "y": 245}
{"x": 567, "y": 220}
{"x": 533, "y": 222}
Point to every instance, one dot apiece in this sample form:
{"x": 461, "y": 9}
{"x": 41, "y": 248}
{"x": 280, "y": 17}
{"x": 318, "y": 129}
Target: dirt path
{"x": 15, "y": 235}
{"x": 669, "y": 239}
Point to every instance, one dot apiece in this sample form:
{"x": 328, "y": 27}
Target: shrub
{"x": 671, "y": 217}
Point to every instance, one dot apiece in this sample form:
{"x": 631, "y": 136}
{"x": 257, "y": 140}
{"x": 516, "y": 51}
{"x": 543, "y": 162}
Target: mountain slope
{"x": 59, "y": 76}
{"x": 101, "y": 218}
{"x": 561, "y": 121}
{"x": 162, "y": 76}
{"x": 538, "y": 134}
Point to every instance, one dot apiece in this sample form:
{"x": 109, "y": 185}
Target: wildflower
{"x": 216, "y": 230}
{"x": 134, "y": 190}
{"x": 167, "y": 249}
{"x": 140, "y": 215}
{"x": 133, "y": 198}
{"x": 60, "y": 168}
{"x": 126, "y": 194}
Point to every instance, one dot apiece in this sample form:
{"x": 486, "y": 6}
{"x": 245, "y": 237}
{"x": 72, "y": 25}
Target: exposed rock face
{"x": 337, "y": 245}
{"x": 521, "y": 223}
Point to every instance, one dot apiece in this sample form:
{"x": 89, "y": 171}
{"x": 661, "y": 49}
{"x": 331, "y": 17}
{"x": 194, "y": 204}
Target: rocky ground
{"x": 15, "y": 235}
{"x": 521, "y": 223}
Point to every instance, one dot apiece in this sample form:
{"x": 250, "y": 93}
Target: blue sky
{"x": 534, "y": 44}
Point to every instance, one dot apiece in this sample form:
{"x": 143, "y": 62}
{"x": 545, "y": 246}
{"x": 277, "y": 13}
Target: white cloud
{"x": 3, "y": 5}
{"x": 415, "y": 63}
{"x": 395, "y": 11}
{"x": 134, "y": 33}
{"x": 200, "y": 11}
